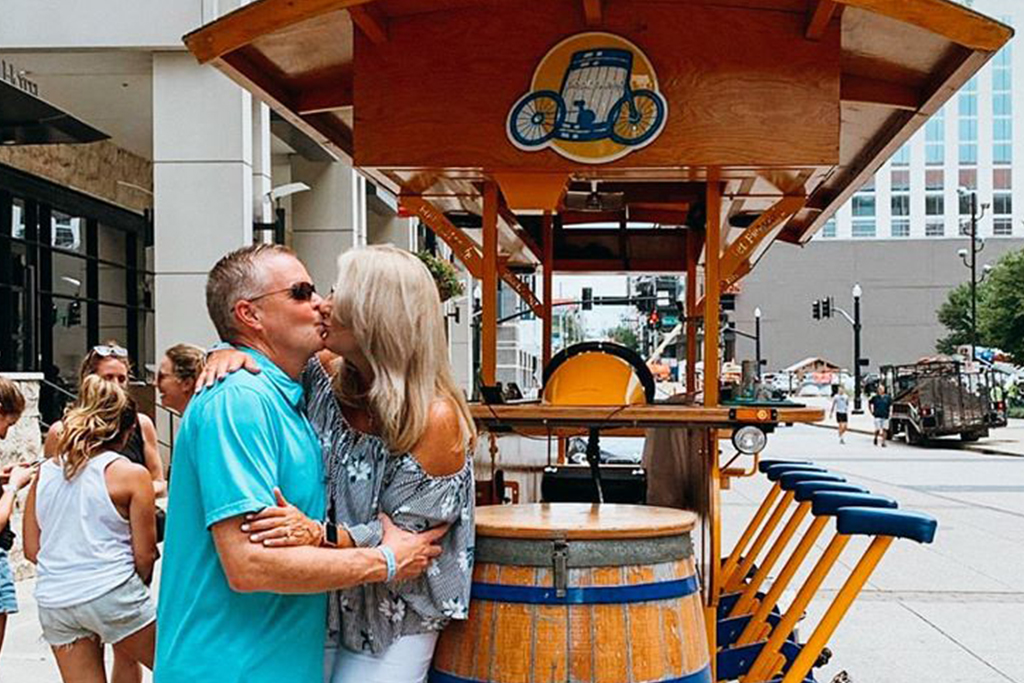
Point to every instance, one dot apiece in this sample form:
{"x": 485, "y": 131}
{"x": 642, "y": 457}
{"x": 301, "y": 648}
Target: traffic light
{"x": 588, "y": 298}
{"x": 74, "y": 315}
{"x": 816, "y": 309}
{"x": 653, "y": 319}
{"x": 826, "y": 307}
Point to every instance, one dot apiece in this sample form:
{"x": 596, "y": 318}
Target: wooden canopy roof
{"x": 792, "y": 104}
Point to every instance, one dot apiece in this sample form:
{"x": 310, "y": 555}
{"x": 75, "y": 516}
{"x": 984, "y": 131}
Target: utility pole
{"x": 757, "y": 341}
{"x": 857, "y": 408}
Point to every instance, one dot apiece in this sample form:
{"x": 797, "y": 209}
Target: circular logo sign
{"x": 593, "y": 99}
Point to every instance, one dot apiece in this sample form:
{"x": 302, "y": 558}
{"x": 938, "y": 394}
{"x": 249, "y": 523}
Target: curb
{"x": 982, "y": 449}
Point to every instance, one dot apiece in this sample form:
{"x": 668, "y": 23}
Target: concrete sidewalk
{"x": 1007, "y": 440}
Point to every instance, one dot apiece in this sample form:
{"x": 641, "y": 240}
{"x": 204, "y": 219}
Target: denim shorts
{"x": 8, "y": 597}
{"x": 112, "y": 617}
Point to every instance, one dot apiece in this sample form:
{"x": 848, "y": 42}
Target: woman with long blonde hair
{"x": 398, "y": 440}
{"x": 90, "y": 527}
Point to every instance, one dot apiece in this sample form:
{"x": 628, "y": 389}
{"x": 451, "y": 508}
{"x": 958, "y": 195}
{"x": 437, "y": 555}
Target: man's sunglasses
{"x": 110, "y": 350}
{"x": 300, "y": 291}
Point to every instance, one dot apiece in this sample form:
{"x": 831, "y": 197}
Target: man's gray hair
{"x": 236, "y": 277}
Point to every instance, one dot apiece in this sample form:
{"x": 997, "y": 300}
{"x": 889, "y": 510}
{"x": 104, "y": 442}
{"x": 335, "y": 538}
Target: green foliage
{"x": 445, "y": 275}
{"x": 1001, "y": 312}
{"x": 624, "y": 334}
{"x": 955, "y": 315}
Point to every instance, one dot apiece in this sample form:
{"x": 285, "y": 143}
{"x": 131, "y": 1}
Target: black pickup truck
{"x": 943, "y": 398}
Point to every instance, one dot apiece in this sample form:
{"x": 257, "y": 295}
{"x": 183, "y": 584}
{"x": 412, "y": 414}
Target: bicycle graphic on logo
{"x": 600, "y": 98}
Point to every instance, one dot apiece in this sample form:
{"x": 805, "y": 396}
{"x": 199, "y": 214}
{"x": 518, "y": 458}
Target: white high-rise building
{"x": 969, "y": 145}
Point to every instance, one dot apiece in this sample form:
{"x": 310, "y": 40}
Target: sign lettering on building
{"x": 16, "y": 77}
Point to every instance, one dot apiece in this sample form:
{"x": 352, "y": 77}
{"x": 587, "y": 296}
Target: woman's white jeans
{"x": 406, "y": 661}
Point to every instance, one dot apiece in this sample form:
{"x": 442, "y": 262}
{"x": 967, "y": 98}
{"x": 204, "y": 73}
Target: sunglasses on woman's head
{"x": 110, "y": 350}
{"x": 300, "y": 291}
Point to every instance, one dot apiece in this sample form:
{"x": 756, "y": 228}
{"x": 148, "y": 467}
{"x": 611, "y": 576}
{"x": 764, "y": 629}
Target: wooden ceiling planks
{"x": 900, "y": 60}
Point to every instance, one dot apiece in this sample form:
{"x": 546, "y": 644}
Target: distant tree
{"x": 624, "y": 334}
{"x": 955, "y": 315}
{"x": 1001, "y": 310}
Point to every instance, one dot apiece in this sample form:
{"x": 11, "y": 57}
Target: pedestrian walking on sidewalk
{"x": 881, "y": 408}
{"x": 90, "y": 526}
{"x": 13, "y": 478}
{"x": 841, "y": 408}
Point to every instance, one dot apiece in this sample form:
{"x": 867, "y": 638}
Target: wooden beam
{"x": 692, "y": 257}
{"x": 522, "y": 289}
{"x": 371, "y": 21}
{"x": 769, "y": 222}
{"x": 249, "y": 22}
{"x": 949, "y": 20}
{"x": 324, "y": 99}
{"x": 820, "y": 13}
{"x": 489, "y": 293}
{"x": 866, "y": 90}
{"x": 592, "y": 12}
{"x": 548, "y": 263}
{"x": 712, "y": 286}
{"x": 524, "y": 236}
{"x": 959, "y": 66}
{"x": 712, "y": 298}
{"x": 462, "y": 246}
{"x": 253, "y": 72}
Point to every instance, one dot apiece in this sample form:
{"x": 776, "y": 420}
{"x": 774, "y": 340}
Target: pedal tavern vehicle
{"x": 943, "y": 398}
{"x": 698, "y": 135}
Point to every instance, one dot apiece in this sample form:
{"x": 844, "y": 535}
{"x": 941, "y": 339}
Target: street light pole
{"x": 857, "y": 409}
{"x": 974, "y": 276}
{"x": 757, "y": 341}
{"x": 975, "y": 248}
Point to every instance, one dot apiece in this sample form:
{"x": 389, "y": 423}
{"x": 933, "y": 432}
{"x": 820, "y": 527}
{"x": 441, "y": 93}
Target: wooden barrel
{"x": 581, "y": 593}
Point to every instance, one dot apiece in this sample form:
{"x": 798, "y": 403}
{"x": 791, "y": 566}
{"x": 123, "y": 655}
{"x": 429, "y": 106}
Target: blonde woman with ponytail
{"x": 90, "y": 527}
{"x": 398, "y": 438}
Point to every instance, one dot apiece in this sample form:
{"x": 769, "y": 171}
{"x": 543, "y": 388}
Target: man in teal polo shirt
{"x": 231, "y": 611}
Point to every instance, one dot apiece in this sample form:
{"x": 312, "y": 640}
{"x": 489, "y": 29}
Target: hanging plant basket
{"x": 446, "y": 277}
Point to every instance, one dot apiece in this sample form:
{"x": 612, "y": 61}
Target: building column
{"x": 460, "y": 338}
{"x": 202, "y": 177}
{"x": 329, "y": 218}
{"x": 262, "y": 207}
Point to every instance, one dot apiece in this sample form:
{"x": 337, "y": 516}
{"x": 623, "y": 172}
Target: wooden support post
{"x": 692, "y": 257}
{"x": 712, "y": 298}
{"x": 489, "y": 296}
{"x": 548, "y": 262}
{"x": 712, "y": 287}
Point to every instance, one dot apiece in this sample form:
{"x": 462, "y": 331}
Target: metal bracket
{"x": 560, "y": 566}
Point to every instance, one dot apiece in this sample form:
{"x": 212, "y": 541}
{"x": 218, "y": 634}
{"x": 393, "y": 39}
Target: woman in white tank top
{"x": 90, "y": 527}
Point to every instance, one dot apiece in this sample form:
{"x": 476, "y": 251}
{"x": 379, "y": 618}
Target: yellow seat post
{"x": 748, "y": 533}
{"x": 734, "y": 580}
{"x": 757, "y": 624}
{"x": 746, "y": 601}
{"x": 847, "y": 594}
{"x": 769, "y": 660}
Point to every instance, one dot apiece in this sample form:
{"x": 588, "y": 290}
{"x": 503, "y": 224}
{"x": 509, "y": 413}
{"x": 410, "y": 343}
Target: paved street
{"x": 949, "y": 612}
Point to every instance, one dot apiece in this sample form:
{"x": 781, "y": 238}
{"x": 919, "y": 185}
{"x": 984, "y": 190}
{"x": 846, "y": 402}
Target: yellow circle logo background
{"x": 549, "y": 76}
